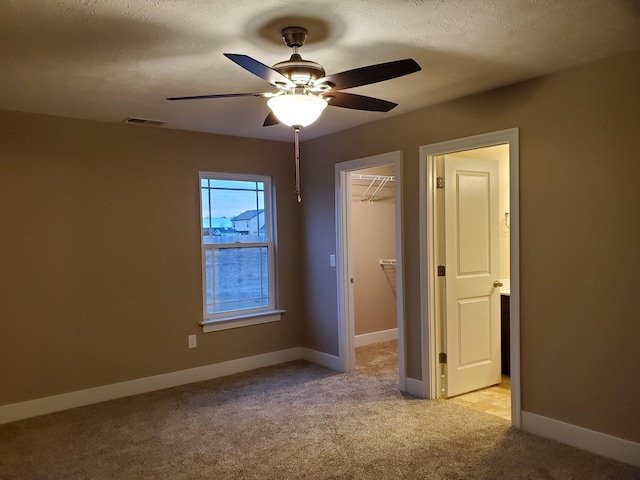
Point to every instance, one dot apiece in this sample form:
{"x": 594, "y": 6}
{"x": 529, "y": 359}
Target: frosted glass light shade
{"x": 297, "y": 110}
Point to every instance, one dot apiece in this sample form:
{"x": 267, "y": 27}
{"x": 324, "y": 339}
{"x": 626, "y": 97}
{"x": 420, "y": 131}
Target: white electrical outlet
{"x": 193, "y": 343}
{"x": 332, "y": 260}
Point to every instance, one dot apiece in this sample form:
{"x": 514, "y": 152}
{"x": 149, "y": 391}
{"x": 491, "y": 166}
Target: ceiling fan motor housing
{"x": 299, "y": 71}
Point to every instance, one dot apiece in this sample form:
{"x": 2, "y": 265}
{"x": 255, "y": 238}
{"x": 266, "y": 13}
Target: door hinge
{"x": 442, "y": 270}
{"x": 440, "y": 182}
{"x": 442, "y": 357}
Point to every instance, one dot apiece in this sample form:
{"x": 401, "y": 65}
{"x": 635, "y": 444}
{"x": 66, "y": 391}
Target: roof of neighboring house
{"x": 248, "y": 215}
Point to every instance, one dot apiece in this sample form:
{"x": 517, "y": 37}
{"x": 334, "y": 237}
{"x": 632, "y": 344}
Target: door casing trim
{"x": 430, "y": 328}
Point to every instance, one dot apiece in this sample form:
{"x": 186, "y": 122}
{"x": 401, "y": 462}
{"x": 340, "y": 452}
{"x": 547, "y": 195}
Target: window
{"x": 237, "y": 250}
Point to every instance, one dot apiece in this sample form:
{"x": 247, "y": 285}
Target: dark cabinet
{"x": 505, "y": 331}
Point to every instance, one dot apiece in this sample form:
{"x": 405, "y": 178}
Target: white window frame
{"x": 249, "y": 316}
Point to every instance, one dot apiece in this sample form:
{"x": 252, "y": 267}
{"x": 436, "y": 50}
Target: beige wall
{"x": 100, "y": 278}
{"x": 579, "y": 205}
{"x": 100, "y": 259}
{"x": 373, "y": 237}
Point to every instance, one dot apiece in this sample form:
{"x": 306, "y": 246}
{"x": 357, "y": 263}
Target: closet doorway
{"x": 369, "y": 256}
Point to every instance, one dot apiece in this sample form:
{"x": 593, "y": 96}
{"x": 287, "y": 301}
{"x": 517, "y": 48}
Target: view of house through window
{"x": 237, "y": 245}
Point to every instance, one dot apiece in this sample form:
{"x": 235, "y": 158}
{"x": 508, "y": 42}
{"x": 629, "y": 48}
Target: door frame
{"x": 430, "y": 327}
{"x": 346, "y": 321}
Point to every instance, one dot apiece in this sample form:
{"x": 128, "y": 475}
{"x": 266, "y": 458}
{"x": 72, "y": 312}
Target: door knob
{"x": 497, "y": 283}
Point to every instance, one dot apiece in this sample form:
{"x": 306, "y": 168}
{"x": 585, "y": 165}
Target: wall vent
{"x": 145, "y": 121}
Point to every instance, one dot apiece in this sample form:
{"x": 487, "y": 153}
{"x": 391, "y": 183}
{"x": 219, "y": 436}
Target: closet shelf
{"x": 387, "y": 261}
{"x": 378, "y": 182}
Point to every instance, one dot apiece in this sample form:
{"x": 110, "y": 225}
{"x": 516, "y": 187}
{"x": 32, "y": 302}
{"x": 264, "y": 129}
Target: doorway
{"x": 473, "y": 208}
{"x": 462, "y": 309}
{"x": 369, "y": 190}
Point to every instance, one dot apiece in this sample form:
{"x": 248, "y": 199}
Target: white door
{"x": 472, "y": 305}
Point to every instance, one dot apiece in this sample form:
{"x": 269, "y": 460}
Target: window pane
{"x": 236, "y": 184}
{"x": 234, "y": 212}
{"x": 206, "y": 212}
{"x": 236, "y": 279}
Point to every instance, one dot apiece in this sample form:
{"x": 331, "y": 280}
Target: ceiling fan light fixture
{"x": 297, "y": 110}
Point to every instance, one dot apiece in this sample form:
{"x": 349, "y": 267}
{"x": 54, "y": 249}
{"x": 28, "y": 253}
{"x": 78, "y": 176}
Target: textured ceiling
{"x": 109, "y": 60}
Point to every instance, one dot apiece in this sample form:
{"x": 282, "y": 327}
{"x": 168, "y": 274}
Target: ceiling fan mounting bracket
{"x": 294, "y": 37}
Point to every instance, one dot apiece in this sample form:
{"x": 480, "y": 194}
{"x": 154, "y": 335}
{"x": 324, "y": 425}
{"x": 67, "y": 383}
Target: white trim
{"x": 430, "y": 374}
{"x": 241, "y": 321}
{"x": 346, "y": 349}
{"x": 415, "y": 388}
{"x": 430, "y": 330}
{"x": 323, "y": 359}
{"x": 65, "y": 401}
{"x": 590, "y": 440}
{"x": 399, "y": 244}
{"x": 376, "y": 337}
{"x": 514, "y": 269}
{"x": 346, "y": 328}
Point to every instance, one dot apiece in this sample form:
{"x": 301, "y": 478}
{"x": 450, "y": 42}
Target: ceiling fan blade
{"x": 358, "y": 102}
{"x": 260, "y": 69}
{"x": 223, "y": 95}
{"x": 371, "y": 74}
{"x": 270, "y": 120}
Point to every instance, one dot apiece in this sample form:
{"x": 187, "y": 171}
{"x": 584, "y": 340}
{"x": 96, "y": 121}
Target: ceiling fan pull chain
{"x": 297, "y": 150}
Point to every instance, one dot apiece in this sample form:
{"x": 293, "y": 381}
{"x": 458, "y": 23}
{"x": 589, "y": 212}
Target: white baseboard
{"x": 323, "y": 359}
{"x": 590, "y": 440}
{"x": 65, "y": 401}
{"x": 376, "y": 337}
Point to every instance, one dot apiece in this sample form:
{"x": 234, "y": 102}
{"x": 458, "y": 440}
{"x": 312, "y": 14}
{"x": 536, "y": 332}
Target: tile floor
{"x": 494, "y": 400}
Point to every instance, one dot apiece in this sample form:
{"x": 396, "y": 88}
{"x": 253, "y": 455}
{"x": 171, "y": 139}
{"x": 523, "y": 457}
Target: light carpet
{"x": 292, "y": 421}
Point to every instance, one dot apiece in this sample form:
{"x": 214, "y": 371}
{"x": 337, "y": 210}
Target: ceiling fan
{"x": 303, "y": 89}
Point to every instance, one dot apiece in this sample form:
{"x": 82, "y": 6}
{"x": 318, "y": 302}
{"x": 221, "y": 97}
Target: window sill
{"x": 241, "y": 321}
